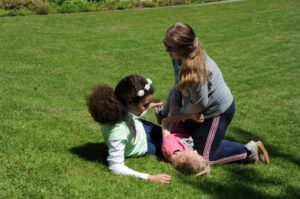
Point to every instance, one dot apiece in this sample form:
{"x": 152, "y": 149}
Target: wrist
{"x": 149, "y": 178}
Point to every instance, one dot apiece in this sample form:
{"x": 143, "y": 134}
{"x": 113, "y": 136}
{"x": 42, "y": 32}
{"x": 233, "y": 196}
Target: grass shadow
{"x": 98, "y": 152}
{"x": 95, "y": 152}
{"x": 244, "y": 183}
{"x": 274, "y": 151}
{"x": 246, "y": 180}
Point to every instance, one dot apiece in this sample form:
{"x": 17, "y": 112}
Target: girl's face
{"x": 173, "y": 52}
{"x": 184, "y": 92}
{"x": 183, "y": 156}
{"x": 138, "y": 109}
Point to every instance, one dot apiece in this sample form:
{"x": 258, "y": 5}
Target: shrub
{"x": 110, "y": 4}
{"x": 25, "y": 7}
{"x": 3, "y": 12}
{"x": 178, "y": 2}
{"x": 121, "y": 5}
{"x": 40, "y": 8}
{"x": 58, "y": 2}
{"x": 16, "y": 4}
{"x": 149, "y": 4}
{"x": 163, "y": 3}
{"x": 75, "y": 6}
{"x": 53, "y": 7}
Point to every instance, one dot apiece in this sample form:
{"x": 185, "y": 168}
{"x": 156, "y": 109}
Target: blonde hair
{"x": 194, "y": 71}
{"x": 192, "y": 166}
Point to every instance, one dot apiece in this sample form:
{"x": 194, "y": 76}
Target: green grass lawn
{"x": 51, "y": 148}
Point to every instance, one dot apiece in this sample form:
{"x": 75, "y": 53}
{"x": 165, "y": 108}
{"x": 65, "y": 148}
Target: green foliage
{"x": 74, "y": 6}
{"x": 121, "y": 5}
{"x": 24, "y": 7}
{"x": 148, "y": 4}
{"x": 17, "y": 7}
{"x": 50, "y": 147}
{"x": 22, "y": 11}
{"x": 3, "y": 12}
{"x": 58, "y": 2}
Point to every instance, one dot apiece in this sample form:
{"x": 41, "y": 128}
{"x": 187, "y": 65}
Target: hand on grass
{"x": 160, "y": 178}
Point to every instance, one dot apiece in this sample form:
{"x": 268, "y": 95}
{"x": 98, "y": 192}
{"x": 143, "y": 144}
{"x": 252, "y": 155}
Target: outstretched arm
{"x": 155, "y": 103}
{"x": 116, "y": 161}
{"x": 198, "y": 100}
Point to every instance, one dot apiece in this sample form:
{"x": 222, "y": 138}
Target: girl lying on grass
{"x": 126, "y": 135}
{"x": 177, "y": 146}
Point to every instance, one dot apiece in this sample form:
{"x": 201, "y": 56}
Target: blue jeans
{"x": 154, "y": 137}
{"x": 209, "y": 139}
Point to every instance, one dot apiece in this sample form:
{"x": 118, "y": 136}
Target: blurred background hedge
{"x": 29, "y": 7}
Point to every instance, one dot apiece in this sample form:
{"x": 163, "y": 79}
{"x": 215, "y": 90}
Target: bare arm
{"x": 166, "y": 122}
{"x": 198, "y": 100}
{"x": 155, "y": 103}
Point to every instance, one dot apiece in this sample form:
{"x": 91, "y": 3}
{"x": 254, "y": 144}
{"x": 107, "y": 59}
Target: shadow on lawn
{"x": 274, "y": 151}
{"x": 241, "y": 185}
{"x": 96, "y": 152}
{"x": 243, "y": 180}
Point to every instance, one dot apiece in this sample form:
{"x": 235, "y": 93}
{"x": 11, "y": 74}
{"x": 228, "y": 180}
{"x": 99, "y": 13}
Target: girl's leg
{"x": 228, "y": 152}
{"x": 208, "y": 137}
{"x": 154, "y": 137}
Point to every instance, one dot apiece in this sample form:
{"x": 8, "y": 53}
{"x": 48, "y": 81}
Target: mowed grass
{"x": 51, "y": 148}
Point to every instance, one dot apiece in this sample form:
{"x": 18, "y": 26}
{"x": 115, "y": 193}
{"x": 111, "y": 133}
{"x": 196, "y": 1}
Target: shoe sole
{"x": 263, "y": 151}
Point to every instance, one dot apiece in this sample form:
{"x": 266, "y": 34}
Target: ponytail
{"x": 195, "y": 70}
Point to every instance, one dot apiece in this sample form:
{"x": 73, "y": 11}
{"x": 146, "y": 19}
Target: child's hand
{"x": 155, "y": 103}
{"x": 197, "y": 117}
{"x": 160, "y": 178}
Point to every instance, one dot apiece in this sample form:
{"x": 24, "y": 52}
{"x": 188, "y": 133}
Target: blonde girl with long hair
{"x": 200, "y": 89}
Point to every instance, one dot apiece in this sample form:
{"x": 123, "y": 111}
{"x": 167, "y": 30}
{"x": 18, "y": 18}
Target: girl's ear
{"x": 182, "y": 159}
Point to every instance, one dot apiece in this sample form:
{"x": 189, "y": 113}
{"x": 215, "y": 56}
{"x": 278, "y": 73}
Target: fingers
{"x": 156, "y": 103}
{"x": 156, "y": 100}
{"x": 160, "y": 178}
{"x": 165, "y": 179}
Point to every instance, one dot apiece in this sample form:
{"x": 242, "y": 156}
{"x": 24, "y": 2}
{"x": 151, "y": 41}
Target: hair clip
{"x": 141, "y": 93}
{"x": 147, "y": 87}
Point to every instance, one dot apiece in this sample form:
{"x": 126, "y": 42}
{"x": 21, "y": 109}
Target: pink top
{"x": 172, "y": 143}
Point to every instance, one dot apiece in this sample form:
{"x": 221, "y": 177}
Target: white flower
{"x": 147, "y": 87}
{"x": 149, "y": 81}
{"x": 141, "y": 93}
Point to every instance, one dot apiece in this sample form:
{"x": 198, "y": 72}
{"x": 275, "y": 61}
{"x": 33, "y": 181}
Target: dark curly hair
{"x": 107, "y": 105}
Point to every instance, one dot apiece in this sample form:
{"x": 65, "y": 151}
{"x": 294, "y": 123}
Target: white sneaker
{"x": 258, "y": 152}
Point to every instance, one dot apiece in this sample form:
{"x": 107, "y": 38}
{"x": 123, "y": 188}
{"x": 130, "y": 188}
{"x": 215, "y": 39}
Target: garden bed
{"x": 31, "y": 7}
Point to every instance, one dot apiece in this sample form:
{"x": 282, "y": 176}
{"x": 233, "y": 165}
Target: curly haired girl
{"x": 126, "y": 135}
